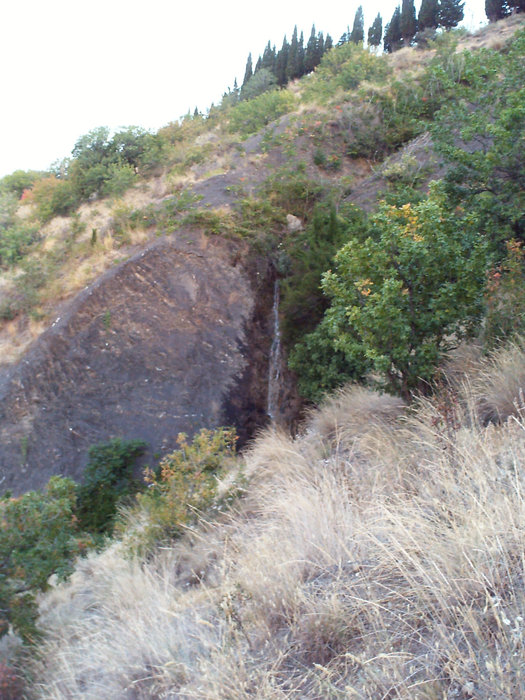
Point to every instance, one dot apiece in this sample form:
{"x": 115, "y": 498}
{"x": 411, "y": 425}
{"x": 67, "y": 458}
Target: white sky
{"x": 68, "y": 67}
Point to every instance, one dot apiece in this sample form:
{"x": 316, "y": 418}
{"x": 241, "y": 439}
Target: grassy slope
{"x": 380, "y": 554}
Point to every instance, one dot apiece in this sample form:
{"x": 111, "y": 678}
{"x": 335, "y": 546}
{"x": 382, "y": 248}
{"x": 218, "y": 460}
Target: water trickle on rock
{"x": 274, "y": 364}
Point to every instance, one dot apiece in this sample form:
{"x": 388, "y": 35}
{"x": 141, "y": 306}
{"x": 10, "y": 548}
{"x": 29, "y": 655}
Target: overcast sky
{"x": 67, "y": 67}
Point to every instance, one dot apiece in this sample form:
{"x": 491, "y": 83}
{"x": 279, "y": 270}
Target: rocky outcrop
{"x": 158, "y": 345}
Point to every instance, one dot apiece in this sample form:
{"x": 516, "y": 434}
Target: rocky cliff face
{"x": 174, "y": 339}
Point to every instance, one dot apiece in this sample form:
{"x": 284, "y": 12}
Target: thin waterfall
{"x": 274, "y": 364}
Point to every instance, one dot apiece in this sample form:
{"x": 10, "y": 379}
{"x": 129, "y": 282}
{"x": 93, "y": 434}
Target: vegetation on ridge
{"x": 380, "y": 552}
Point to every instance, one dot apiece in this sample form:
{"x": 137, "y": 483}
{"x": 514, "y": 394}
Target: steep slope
{"x": 178, "y": 336}
{"x": 378, "y": 555}
{"x": 157, "y": 346}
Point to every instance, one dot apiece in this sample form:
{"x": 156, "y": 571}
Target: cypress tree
{"x": 408, "y": 21}
{"x": 300, "y": 55}
{"x": 319, "y": 49}
{"x": 268, "y": 58}
{"x": 281, "y": 61}
{"x": 248, "y": 71}
{"x": 375, "y": 32}
{"x": 428, "y": 15}
{"x": 292, "y": 63}
{"x": 345, "y": 37}
{"x": 496, "y": 9}
{"x": 450, "y": 13}
{"x": 358, "y": 30}
{"x": 328, "y": 43}
{"x": 310, "y": 56}
{"x": 392, "y": 39}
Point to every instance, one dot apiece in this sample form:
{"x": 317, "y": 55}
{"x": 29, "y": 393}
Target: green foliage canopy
{"x": 108, "y": 478}
{"x": 409, "y": 293}
{"x": 39, "y": 536}
{"x": 480, "y": 134}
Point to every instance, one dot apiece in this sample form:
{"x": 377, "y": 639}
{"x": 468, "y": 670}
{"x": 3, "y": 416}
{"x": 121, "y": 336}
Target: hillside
{"x": 380, "y": 554}
{"x": 351, "y": 240}
{"x": 227, "y": 175}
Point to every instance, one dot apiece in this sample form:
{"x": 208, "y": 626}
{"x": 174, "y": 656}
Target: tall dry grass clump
{"x": 381, "y": 554}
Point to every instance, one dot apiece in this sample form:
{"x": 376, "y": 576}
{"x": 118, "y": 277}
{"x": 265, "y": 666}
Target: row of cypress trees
{"x": 404, "y": 25}
{"x": 295, "y": 59}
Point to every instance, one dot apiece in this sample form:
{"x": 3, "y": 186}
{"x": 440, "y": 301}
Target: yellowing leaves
{"x": 363, "y": 286}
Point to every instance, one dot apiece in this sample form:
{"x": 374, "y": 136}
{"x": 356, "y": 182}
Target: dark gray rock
{"x": 158, "y": 345}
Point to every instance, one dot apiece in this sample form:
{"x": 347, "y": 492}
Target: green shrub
{"x": 262, "y": 81}
{"x": 15, "y": 242}
{"x": 343, "y": 69}
{"x": 20, "y": 180}
{"x": 409, "y": 292}
{"x": 39, "y": 536}
{"x": 119, "y": 179}
{"x": 480, "y": 135}
{"x": 292, "y": 190}
{"x": 320, "y": 367}
{"x": 250, "y": 116}
{"x": 310, "y": 253}
{"x": 54, "y": 197}
{"x": 505, "y": 317}
{"x": 383, "y": 120}
{"x": 185, "y": 483}
{"x": 108, "y": 479}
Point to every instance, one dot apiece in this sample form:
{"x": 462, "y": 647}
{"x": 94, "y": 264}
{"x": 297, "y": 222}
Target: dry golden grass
{"x": 378, "y": 555}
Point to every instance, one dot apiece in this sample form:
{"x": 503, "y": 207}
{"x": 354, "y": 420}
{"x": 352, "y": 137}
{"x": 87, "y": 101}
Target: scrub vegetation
{"x": 379, "y": 552}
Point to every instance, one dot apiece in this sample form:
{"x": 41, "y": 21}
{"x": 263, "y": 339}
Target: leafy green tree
{"x": 450, "y": 13}
{"x": 128, "y": 146}
{"x": 39, "y": 536}
{"x": 408, "y": 21}
{"x": 409, "y": 292}
{"x": 496, "y": 9}
{"x": 375, "y": 33}
{"x": 392, "y": 39}
{"x": 20, "y": 180}
{"x": 55, "y": 197}
{"x": 310, "y": 254}
{"x": 92, "y": 148}
{"x": 320, "y": 367}
{"x": 428, "y": 15}
{"x": 108, "y": 478}
{"x": 358, "y": 31}
{"x": 261, "y": 81}
{"x": 480, "y": 135}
